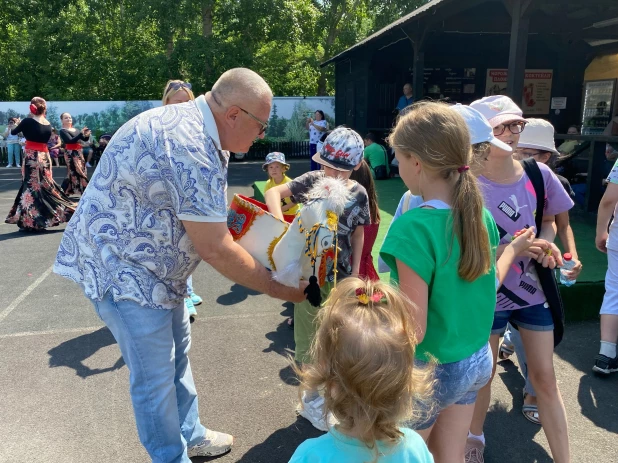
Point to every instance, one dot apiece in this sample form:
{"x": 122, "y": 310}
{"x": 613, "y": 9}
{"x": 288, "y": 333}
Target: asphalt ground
{"x": 64, "y": 386}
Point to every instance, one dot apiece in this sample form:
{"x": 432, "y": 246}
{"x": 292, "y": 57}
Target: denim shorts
{"x": 456, "y": 383}
{"x": 535, "y": 318}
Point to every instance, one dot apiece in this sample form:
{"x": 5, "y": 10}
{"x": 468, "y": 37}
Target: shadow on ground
{"x": 280, "y": 445}
{"x": 282, "y": 339}
{"x": 597, "y": 393}
{"x": 237, "y": 294}
{"x": 18, "y": 234}
{"x": 504, "y": 425}
{"x": 74, "y": 352}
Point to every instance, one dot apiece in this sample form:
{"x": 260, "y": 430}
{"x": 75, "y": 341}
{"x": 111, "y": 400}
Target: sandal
{"x": 531, "y": 412}
{"x": 505, "y": 351}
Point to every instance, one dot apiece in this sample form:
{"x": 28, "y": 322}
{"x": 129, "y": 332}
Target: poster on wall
{"x": 537, "y": 88}
{"x": 457, "y": 84}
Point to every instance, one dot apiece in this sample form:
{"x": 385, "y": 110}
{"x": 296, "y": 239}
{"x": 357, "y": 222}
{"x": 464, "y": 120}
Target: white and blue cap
{"x": 275, "y": 156}
{"x": 479, "y": 128}
{"x": 342, "y": 150}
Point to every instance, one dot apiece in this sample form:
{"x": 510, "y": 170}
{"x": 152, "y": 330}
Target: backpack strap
{"x": 406, "y": 201}
{"x": 536, "y": 178}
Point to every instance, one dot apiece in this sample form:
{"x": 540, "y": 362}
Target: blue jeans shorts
{"x": 456, "y": 383}
{"x": 535, "y": 318}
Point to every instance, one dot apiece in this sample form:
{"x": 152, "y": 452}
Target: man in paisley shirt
{"x": 155, "y": 208}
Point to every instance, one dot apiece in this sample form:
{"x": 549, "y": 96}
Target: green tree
{"x": 295, "y": 129}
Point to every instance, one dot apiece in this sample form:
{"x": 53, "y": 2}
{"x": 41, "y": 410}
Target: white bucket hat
{"x": 479, "y": 128}
{"x": 498, "y": 109}
{"x": 539, "y": 135}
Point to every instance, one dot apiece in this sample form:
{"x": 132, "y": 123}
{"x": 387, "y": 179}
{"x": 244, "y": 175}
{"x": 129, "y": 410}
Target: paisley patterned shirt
{"x": 126, "y": 237}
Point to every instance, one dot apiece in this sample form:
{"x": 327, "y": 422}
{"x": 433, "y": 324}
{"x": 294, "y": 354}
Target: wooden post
{"x": 416, "y": 36}
{"x": 596, "y": 162}
{"x": 520, "y": 23}
{"x": 418, "y": 70}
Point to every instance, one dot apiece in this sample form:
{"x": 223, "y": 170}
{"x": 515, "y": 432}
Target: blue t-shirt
{"x": 404, "y": 102}
{"x": 335, "y": 447}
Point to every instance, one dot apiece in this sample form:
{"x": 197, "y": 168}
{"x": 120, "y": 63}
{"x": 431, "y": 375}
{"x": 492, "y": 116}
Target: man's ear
{"x": 231, "y": 116}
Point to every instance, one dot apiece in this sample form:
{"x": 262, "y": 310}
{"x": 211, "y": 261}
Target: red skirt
{"x": 367, "y": 270}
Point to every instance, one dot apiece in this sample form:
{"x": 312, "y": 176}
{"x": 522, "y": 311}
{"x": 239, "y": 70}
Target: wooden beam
{"x": 518, "y": 49}
{"x": 417, "y": 37}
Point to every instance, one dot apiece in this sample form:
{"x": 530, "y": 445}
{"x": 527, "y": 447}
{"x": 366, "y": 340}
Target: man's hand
{"x": 215, "y": 245}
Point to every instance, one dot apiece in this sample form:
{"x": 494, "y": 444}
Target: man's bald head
{"x": 240, "y": 102}
{"x": 239, "y": 85}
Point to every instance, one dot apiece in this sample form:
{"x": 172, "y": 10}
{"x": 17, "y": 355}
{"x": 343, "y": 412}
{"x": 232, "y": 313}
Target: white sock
{"x": 480, "y": 438}
{"x": 608, "y": 349}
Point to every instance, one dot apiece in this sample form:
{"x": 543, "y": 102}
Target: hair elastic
{"x": 462, "y": 169}
{"x": 364, "y": 298}
{"x": 33, "y": 108}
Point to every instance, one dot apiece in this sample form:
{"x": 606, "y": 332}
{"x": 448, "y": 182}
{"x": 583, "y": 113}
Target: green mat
{"x": 581, "y": 301}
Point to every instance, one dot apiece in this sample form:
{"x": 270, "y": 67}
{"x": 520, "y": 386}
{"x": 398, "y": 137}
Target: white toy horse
{"x": 308, "y": 246}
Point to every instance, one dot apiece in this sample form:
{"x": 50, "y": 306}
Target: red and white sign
{"x": 537, "y": 88}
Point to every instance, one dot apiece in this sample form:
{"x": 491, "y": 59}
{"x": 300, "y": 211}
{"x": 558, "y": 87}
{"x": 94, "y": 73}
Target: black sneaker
{"x": 605, "y": 365}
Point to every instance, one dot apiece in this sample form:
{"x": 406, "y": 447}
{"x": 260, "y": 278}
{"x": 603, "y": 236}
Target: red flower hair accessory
{"x": 33, "y": 108}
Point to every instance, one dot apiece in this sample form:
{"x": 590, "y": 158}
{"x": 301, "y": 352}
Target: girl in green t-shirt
{"x": 443, "y": 258}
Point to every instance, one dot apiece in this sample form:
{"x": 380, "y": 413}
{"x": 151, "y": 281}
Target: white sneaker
{"x": 313, "y": 411}
{"x": 8, "y": 165}
{"x": 215, "y": 443}
{"x": 88, "y": 164}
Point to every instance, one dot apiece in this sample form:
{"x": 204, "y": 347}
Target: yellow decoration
{"x": 364, "y": 299}
{"x": 270, "y": 250}
{"x": 331, "y": 220}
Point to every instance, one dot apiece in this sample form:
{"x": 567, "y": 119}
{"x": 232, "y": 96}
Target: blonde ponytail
{"x": 469, "y": 226}
{"x": 438, "y": 136}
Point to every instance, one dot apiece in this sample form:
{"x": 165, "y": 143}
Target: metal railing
{"x": 591, "y": 156}
{"x": 291, "y": 149}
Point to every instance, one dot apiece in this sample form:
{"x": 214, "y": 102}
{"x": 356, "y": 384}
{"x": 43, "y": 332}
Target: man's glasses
{"x": 263, "y": 124}
{"x": 514, "y": 127}
{"x": 178, "y": 85}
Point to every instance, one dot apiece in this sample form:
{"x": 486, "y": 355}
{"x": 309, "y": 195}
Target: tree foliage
{"x": 128, "y": 49}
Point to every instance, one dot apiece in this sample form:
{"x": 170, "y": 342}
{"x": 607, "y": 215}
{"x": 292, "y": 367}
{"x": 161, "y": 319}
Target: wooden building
{"x": 531, "y": 50}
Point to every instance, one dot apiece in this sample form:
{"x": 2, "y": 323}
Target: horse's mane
{"x": 329, "y": 193}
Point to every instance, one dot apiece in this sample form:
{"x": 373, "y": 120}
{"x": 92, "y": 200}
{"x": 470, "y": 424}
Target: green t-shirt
{"x": 375, "y": 155}
{"x": 459, "y": 313}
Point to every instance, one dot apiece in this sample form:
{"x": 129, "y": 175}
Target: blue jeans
{"x": 457, "y": 383}
{"x": 154, "y": 344}
{"x": 512, "y": 336}
{"x": 313, "y": 148}
{"x": 190, "y": 284}
{"x": 14, "y": 150}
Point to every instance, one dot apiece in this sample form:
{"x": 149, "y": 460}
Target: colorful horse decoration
{"x": 306, "y": 248}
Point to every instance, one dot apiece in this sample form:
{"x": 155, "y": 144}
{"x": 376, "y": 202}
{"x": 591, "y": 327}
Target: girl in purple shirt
{"x": 510, "y": 197}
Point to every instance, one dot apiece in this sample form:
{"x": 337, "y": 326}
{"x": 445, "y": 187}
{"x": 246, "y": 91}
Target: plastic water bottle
{"x": 569, "y": 263}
